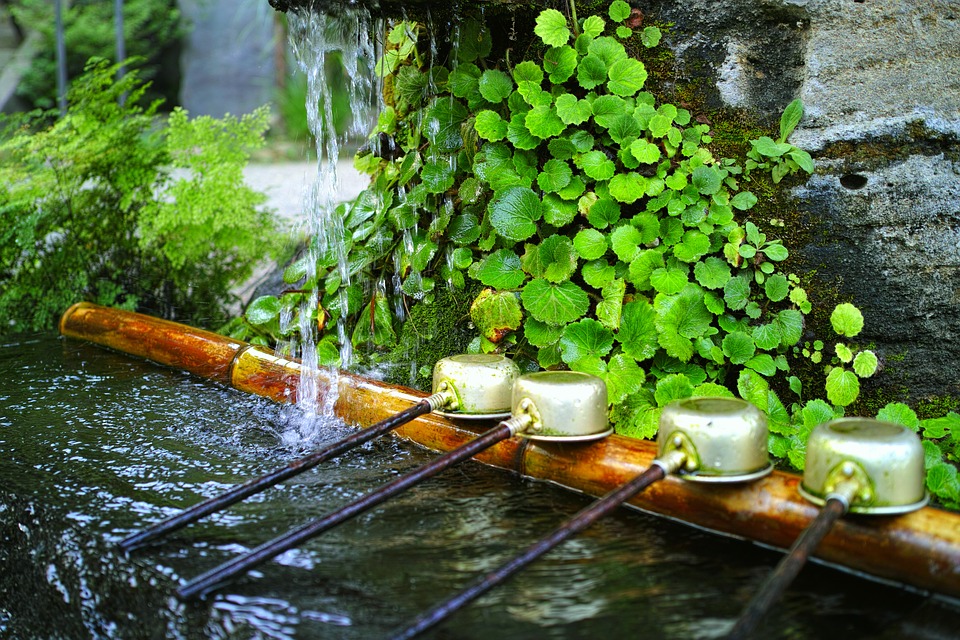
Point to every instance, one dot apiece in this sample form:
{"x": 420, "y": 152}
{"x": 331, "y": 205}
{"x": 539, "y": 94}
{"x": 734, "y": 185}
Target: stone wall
{"x": 880, "y": 81}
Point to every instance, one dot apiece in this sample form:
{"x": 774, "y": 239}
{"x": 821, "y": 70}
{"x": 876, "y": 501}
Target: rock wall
{"x": 880, "y": 81}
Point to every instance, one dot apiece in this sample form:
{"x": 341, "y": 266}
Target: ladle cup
{"x": 858, "y": 465}
{"x": 702, "y": 439}
{"x": 467, "y": 386}
{"x": 531, "y": 399}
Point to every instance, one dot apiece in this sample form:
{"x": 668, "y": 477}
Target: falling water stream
{"x": 314, "y": 37}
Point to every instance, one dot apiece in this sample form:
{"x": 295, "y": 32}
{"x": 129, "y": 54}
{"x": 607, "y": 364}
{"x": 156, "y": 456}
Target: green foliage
{"x": 90, "y": 208}
{"x": 151, "y": 29}
{"x": 779, "y": 157}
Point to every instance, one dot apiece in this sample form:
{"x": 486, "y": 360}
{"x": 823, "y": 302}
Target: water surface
{"x": 95, "y": 445}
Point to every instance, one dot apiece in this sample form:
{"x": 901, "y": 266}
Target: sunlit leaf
{"x": 626, "y": 77}
{"x": 490, "y": 126}
{"x": 552, "y": 28}
{"x": 590, "y": 244}
{"x": 738, "y": 347}
{"x": 846, "y": 319}
{"x": 610, "y": 308}
{"x": 638, "y": 332}
{"x": 554, "y": 303}
{"x": 501, "y": 270}
{"x": 586, "y": 338}
{"x": 541, "y": 334}
{"x": 560, "y": 63}
{"x": 842, "y": 386}
{"x": 712, "y": 272}
{"x": 899, "y": 413}
{"x": 591, "y": 72}
{"x": 514, "y": 213}
{"x": 673, "y": 387}
{"x": 495, "y": 85}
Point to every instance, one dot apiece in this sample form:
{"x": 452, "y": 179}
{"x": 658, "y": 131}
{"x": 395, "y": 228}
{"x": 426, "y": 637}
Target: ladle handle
{"x": 270, "y": 549}
{"x": 257, "y": 485}
{"x": 583, "y": 519}
{"x": 777, "y": 582}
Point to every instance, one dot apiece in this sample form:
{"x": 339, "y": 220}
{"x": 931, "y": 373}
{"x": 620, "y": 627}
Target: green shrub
{"x": 151, "y": 27}
{"x": 91, "y": 208}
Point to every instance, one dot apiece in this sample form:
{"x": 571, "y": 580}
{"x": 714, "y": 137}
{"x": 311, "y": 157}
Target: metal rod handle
{"x": 777, "y": 582}
{"x": 583, "y": 519}
{"x": 257, "y": 485}
{"x": 241, "y": 564}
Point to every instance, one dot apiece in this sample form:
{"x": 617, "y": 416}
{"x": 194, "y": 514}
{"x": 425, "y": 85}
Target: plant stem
{"x": 576, "y": 23}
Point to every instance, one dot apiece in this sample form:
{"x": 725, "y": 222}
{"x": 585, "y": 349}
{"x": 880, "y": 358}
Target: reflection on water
{"x": 95, "y": 446}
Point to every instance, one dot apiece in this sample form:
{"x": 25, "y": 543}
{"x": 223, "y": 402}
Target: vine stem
{"x": 576, "y": 23}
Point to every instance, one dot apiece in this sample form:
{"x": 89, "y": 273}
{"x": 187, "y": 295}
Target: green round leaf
{"x": 900, "y": 413}
{"x": 554, "y": 304}
{"x": 604, "y": 213}
{"x": 646, "y": 152}
{"x": 463, "y": 229}
{"x": 552, "y": 28}
{"x": 865, "y": 364}
{"x": 776, "y": 287}
{"x": 540, "y": 334}
{"x": 597, "y": 166}
{"x": 694, "y": 245}
{"x": 843, "y": 386}
{"x": 846, "y": 320}
{"x": 626, "y": 77}
{"x": 437, "y": 176}
{"x": 608, "y": 50}
{"x": 638, "y": 331}
{"x": 560, "y": 63}
{"x": 490, "y": 126}
{"x": 712, "y": 273}
{"x": 625, "y": 241}
{"x": 627, "y": 187}
{"x": 556, "y": 175}
{"x": 766, "y": 336}
{"x": 738, "y": 347}
{"x": 585, "y": 339}
{"x": 496, "y": 313}
{"x": 707, "y": 180}
{"x": 591, "y": 72}
{"x": 528, "y": 71}
{"x": 775, "y": 251}
{"x": 442, "y": 124}
{"x": 668, "y": 281}
{"x": 557, "y": 258}
{"x": 593, "y": 26}
{"x": 619, "y": 11}
{"x": 675, "y": 386}
{"x": 844, "y": 354}
{"x": 624, "y": 377}
{"x": 789, "y": 323}
{"x": 743, "y": 201}
{"x": 598, "y": 273}
{"x": 736, "y": 293}
{"x": 570, "y": 110}
{"x": 501, "y": 270}
{"x": 514, "y": 213}
{"x": 590, "y": 244}
{"x": 558, "y": 212}
{"x": 464, "y": 81}
{"x": 263, "y": 310}
{"x": 519, "y": 135}
{"x": 650, "y": 37}
{"x": 543, "y": 122}
{"x": 475, "y": 41}
{"x": 495, "y": 85}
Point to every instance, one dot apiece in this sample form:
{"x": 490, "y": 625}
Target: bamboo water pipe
{"x": 920, "y": 549}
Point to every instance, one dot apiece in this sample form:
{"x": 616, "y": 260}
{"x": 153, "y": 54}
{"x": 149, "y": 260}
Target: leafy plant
{"x": 151, "y": 29}
{"x": 779, "y": 156}
{"x": 90, "y": 208}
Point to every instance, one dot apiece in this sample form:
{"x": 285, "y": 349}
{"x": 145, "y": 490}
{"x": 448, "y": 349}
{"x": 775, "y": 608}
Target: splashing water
{"x": 313, "y": 38}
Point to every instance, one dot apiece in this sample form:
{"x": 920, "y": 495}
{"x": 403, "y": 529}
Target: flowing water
{"x": 96, "y": 445}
